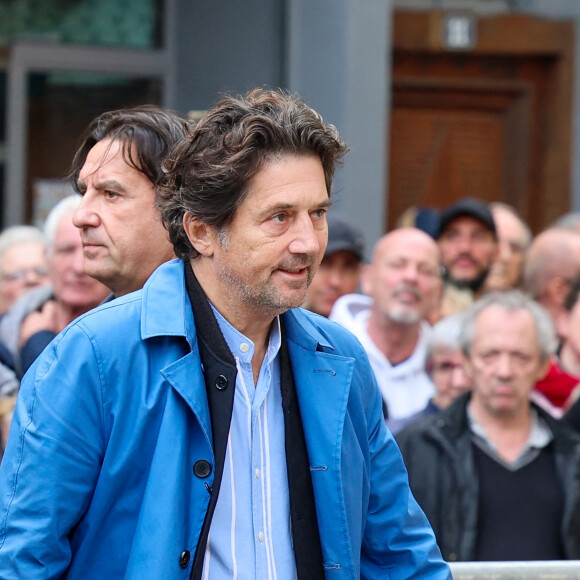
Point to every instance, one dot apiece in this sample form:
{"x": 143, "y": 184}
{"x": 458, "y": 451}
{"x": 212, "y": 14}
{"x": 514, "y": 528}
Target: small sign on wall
{"x": 459, "y": 31}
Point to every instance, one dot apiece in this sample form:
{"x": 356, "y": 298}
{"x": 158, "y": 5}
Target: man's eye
{"x": 111, "y": 194}
{"x": 398, "y": 265}
{"x": 279, "y": 218}
{"x": 319, "y": 212}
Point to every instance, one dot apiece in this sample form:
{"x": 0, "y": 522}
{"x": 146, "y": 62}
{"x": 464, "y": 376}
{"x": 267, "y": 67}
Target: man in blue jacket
{"x": 205, "y": 426}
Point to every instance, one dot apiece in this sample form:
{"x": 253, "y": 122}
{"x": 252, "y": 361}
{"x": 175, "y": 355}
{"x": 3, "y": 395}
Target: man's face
{"x": 468, "y": 249}
{"x": 72, "y": 286}
{"x": 264, "y": 262}
{"x": 448, "y": 375}
{"x": 403, "y": 278}
{"x": 23, "y": 267}
{"x": 338, "y": 274}
{"x": 506, "y": 271}
{"x": 505, "y": 362}
{"x": 123, "y": 237}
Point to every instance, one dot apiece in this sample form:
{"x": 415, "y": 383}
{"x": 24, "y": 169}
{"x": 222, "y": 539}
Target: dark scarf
{"x": 220, "y": 379}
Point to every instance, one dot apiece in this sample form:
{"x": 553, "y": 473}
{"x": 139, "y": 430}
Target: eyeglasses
{"x": 446, "y": 367}
{"x": 19, "y": 275}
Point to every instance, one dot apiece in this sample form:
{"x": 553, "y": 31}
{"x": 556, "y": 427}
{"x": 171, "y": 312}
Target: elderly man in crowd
{"x": 402, "y": 287}
{"x": 495, "y": 474}
{"x": 340, "y": 269}
{"x": 193, "y": 387}
{"x": 22, "y": 263}
{"x": 49, "y": 309}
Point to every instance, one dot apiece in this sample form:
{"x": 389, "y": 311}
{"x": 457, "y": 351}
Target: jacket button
{"x": 221, "y": 383}
{"x": 184, "y": 559}
{"x": 202, "y": 468}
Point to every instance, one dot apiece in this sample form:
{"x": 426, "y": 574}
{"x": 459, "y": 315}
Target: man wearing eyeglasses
{"x": 22, "y": 263}
{"x": 403, "y": 288}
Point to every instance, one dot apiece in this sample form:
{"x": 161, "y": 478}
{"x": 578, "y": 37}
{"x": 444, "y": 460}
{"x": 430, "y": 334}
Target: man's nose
{"x": 459, "y": 377}
{"x": 504, "y": 365}
{"x": 34, "y": 276}
{"x": 85, "y": 215}
{"x": 306, "y": 238}
{"x": 464, "y": 244}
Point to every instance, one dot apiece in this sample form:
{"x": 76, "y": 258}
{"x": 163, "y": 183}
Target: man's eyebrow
{"x": 107, "y": 184}
{"x": 286, "y": 206}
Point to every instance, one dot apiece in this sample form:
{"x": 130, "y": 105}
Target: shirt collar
{"x": 241, "y": 346}
{"x": 539, "y": 437}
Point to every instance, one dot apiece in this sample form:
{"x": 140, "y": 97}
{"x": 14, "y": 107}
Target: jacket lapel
{"x": 186, "y": 377}
{"x": 323, "y": 383}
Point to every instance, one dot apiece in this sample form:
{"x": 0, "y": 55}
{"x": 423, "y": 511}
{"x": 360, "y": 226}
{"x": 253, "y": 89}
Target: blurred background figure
{"x": 551, "y": 263}
{"x": 22, "y": 263}
{"x": 468, "y": 242}
{"x": 569, "y": 221}
{"x": 446, "y": 367}
{"x": 494, "y": 473}
{"x": 39, "y": 315}
{"x": 467, "y": 238}
{"x": 569, "y": 356}
{"x": 423, "y": 218}
{"x": 514, "y": 238}
{"x": 402, "y": 287}
{"x": 340, "y": 270}
{"x": 569, "y": 352}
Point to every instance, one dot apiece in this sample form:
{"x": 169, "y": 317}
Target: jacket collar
{"x": 165, "y": 293}
{"x": 165, "y": 304}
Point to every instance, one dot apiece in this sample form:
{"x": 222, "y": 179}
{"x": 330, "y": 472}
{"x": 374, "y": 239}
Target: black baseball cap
{"x": 343, "y": 236}
{"x": 467, "y": 206}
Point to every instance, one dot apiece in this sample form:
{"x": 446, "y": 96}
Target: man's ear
{"x": 199, "y": 234}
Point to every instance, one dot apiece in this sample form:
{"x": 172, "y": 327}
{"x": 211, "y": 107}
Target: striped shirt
{"x": 250, "y": 535}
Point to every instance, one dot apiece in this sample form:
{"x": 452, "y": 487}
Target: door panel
{"x": 489, "y": 125}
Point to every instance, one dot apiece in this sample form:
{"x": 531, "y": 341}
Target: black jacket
{"x": 438, "y": 454}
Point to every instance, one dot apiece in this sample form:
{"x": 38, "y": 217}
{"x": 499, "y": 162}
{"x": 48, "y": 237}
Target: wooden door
{"x": 492, "y": 122}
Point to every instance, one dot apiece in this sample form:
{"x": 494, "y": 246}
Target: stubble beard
{"x": 264, "y": 296}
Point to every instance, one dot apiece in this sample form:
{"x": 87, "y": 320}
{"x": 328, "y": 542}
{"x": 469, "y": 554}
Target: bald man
{"x": 402, "y": 287}
{"x": 552, "y": 261}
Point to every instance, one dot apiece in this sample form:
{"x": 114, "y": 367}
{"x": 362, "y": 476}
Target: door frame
{"x": 422, "y": 32}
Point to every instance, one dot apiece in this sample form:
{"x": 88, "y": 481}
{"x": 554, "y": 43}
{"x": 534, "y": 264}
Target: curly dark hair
{"x": 208, "y": 171}
{"x": 147, "y": 134}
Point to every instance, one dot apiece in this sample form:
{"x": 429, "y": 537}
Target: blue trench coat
{"x": 97, "y": 479}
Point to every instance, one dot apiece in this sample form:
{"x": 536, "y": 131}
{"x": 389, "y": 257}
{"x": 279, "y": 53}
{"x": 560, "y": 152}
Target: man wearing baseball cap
{"x": 468, "y": 242}
{"x": 340, "y": 270}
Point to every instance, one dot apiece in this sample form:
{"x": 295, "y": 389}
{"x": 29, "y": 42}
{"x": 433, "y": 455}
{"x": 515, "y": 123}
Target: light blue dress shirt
{"x": 250, "y": 535}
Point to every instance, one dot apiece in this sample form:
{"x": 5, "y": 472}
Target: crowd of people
{"x": 166, "y": 406}
{"x": 471, "y": 327}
